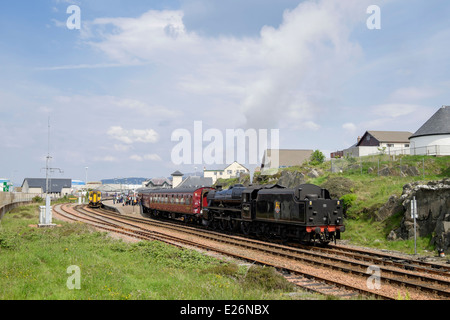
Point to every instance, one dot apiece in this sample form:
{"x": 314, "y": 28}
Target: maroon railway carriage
{"x": 184, "y": 203}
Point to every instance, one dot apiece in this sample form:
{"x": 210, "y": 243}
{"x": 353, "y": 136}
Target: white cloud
{"x": 349, "y": 127}
{"x": 134, "y": 135}
{"x": 122, "y": 147}
{"x": 288, "y": 69}
{"x": 394, "y": 110}
{"x": 410, "y": 94}
{"x": 149, "y": 157}
{"x": 105, "y": 159}
{"x": 136, "y": 157}
{"x": 152, "y": 157}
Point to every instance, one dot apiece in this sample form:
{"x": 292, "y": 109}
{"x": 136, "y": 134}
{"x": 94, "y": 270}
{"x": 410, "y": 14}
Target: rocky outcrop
{"x": 338, "y": 186}
{"x": 244, "y": 179}
{"x": 291, "y": 179}
{"x": 393, "y": 206}
{"x": 433, "y": 206}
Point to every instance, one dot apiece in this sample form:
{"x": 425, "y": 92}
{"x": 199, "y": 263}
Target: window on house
{"x": 407, "y": 145}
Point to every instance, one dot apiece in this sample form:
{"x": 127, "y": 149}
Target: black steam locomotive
{"x": 306, "y": 213}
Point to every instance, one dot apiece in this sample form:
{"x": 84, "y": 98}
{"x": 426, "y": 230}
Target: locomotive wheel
{"x": 214, "y": 224}
{"x": 246, "y": 227}
{"x": 223, "y": 224}
{"x": 262, "y": 231}
{"x": 234, "y": 225}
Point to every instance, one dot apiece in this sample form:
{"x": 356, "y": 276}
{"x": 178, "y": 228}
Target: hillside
{"x": 365, "y": 185}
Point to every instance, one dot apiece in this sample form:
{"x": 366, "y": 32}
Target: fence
{"x": 437, "y": 150}
{"x": 434, "y": 150}
{"x": 392, "y": 165}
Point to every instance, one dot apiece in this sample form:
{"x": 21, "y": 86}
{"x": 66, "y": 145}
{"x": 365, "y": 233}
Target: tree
{"x": 317, "y": 157}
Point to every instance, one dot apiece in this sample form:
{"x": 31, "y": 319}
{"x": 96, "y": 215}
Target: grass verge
{"x": 37, "y": 264}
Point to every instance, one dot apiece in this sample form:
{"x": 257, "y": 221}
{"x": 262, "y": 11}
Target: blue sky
{"x": 117, "y": 89}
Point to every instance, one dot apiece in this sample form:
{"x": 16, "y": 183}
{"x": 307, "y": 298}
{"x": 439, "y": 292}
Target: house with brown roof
{"x": 376, "y": 142}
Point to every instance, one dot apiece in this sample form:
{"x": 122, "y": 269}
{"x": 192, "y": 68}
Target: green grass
{"x": 373, "y": 234}
{"x": 34, "y": 265}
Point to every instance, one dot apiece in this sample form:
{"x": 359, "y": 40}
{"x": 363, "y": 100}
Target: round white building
{"x": 433, "y": 138}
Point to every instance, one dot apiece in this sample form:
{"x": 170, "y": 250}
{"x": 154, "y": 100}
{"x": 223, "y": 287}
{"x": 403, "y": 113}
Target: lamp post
{"x": 86, "y": 183}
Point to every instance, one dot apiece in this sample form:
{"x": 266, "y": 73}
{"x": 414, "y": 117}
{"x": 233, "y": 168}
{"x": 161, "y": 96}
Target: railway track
{"x": 343, "y": 263}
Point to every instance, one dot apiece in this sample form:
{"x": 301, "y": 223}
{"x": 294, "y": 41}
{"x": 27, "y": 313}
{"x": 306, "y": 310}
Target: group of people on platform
{"x": 126, "y": 200}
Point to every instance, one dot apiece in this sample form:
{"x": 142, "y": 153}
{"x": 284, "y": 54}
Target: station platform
{"x": 119, "y": 207}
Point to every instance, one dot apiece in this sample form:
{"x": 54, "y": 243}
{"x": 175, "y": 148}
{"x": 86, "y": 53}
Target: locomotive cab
{"x": 324, "y": 215}
{"x": 306, "y": 213}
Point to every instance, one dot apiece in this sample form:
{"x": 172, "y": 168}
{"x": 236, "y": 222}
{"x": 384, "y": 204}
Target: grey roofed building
{"x": 433, "y": 137}
{"x": 438, "y": 124}
{"x": 286, "y": 158}
{"x": 55, "y": 185}
{"x": 158, "y": 183}
{"x": 196, "y": 181}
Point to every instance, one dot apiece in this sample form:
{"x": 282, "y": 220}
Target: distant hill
{"x": 124, "y": 181}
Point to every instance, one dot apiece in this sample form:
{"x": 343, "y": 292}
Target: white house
{"x": 232, "y": 171}
{"x": 433, "y": 137}
{"x": 374, "y": 142}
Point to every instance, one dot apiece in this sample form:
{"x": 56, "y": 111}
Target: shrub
{"x": 266, "y": 278}
{"x": 37, "y": 199}
{"x": 348, "y": 200}
{"x": 317, "y": 157}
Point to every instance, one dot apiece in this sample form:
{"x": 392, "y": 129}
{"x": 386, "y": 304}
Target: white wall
{"x": 431, "y": 145}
